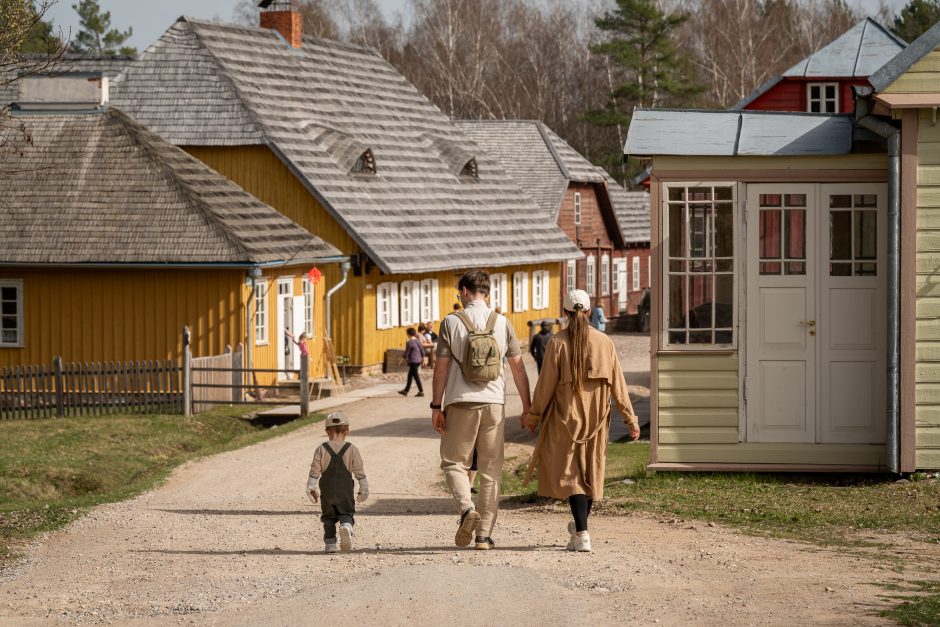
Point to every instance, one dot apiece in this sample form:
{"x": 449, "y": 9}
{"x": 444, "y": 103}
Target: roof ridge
{"x": 858, "y": 51}
{"x": 148, "y": 141}
{"x": 887, "y": 31}
{"x": 884, "y": 76}
{"x": 554, "y": 151}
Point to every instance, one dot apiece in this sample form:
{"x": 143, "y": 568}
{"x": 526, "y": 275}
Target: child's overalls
{"x": 337, "y": 498}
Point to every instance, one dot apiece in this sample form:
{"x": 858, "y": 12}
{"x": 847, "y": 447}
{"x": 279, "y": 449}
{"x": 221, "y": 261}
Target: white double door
{"x": 815, "y": 317}
{"x": 290, "y": 319}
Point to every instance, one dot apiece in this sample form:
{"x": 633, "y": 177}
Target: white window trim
{"x": 636, "y": 274}
{"x": 540, "y": 283}
{"x": 20, "y": 320}
{"x": 520, "y": 292}
{"x": 307, "y": 289}
{"x": 577, "y": 208}
{"x": 605, "y": 274}
{"x": 409, "y": 300}
{"x": 260, "y": 319}
{"x": 571, "y": 275}
{"x": 822, "y": 93}
{"x": 649, "y": 270}
{"x": 430, "y": 310}
{"x": 386, "y": 306}
{"x": 591, "y": 275}
{"x": 665, "y": 346}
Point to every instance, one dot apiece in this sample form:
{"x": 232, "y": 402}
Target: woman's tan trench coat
{"x": 572, "y": 446}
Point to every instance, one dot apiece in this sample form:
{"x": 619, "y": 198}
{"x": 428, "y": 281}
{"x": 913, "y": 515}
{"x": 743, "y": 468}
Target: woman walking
{"x": 580, "y": 377}
{"x": 414, "y": 355}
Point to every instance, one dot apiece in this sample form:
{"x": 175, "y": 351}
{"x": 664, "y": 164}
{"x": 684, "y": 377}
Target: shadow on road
{"x": 415, "y": 550}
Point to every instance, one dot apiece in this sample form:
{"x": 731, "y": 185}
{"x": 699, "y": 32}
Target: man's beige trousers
{"x": 470, "y": 425}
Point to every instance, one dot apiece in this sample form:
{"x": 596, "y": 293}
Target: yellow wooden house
{"x": 333, "y": 137}
{"x": 795, "y": 319}
{"x": 114, "y": 239}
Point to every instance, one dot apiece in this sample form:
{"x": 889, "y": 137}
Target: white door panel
{"x": 297, "y": 327}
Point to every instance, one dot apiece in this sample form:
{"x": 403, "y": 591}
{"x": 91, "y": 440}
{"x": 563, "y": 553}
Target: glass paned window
{"x": 605, "y": 275}
{"x": 822, "y": 98}
{"x": 571, "y": 277}
{"x": 782, "y": 245}
{"x": 591, "y": 275}
{"x": 636, "y": 274}
{"x": 11, "y": 313}
{"x": 853, "y": 235}
{"x": 577, "y": 207}
{"x": 261, "y": 312}
{"x": 700, "y": 261}
{"x": 307, "y": 289}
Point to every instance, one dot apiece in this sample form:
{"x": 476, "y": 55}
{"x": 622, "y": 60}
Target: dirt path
{"x": 233, "y": 540}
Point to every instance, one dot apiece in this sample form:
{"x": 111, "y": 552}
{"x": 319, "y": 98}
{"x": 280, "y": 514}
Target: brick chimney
{"x": 285, "y": 21}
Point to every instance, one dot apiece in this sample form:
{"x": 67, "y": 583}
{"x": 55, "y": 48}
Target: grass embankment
{"x": 823, "y": 509}
{"x": 53, "y": 469}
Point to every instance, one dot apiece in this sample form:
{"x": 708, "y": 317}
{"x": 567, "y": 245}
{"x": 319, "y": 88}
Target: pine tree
{"x": 643, "y": 67}
{"x": 916, "y": 18}
{"x": 96, "y": 36}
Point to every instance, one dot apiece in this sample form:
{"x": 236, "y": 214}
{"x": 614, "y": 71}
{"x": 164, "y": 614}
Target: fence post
{"x": 59, "y": 387}
{"x": 304, "y": 386}
{"x": 187, "y": 375}
{"x": 237, "y": 366}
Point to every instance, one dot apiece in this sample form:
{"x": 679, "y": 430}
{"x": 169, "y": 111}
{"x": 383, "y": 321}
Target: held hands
{"x": 529, "y": 421}
{"x": 438, "y": 420}
{"x": 313, "y": 489}
{"x": 634, "y": 430}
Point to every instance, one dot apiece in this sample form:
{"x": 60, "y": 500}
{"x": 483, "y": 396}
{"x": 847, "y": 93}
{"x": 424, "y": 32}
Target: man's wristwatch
{"x": 435, "y": 406}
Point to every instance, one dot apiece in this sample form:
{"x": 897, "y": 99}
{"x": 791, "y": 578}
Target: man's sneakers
{"x": 573, "y": 533}
{"x": 331, "y": 547}
{"x": 469, "y": 521}
{"x": 484, "y": 543}
{"x": 345, "y": 537}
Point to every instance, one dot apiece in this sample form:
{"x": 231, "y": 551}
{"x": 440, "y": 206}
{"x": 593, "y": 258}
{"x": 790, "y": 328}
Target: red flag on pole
{"x": 314, "y": 275}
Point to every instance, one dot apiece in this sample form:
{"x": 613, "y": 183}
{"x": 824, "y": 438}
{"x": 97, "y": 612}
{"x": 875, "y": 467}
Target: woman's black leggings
{"x": 413, "y": 375}
{"x": 580, "y": 509}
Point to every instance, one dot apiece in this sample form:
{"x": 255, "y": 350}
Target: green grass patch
{"x": 820, "y": 508}
{"x": 920, "y": 605}
{"x": 51, "y": 470}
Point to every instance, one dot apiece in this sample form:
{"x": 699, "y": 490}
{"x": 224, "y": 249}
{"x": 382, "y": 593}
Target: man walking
{"x": 468, "y": 407}
{"x": 539, "y": 342}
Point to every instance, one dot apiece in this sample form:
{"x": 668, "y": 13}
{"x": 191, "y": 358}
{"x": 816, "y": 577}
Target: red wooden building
{"x": 609, "y": 224}
{"x": 823, "y": 81}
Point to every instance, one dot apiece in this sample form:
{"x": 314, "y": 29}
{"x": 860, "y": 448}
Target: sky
{"x": 149, "y": 18}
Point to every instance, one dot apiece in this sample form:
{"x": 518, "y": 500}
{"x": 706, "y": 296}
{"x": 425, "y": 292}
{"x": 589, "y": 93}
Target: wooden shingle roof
{"x": 632, "y": 210}
{"x": 106, "y": 66}
{"x": 100, "y": 188}
{"x": 207, "y": 84}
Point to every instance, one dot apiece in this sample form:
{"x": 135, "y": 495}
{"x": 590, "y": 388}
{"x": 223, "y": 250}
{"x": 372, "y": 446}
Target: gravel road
{"x": 232, "y": 540}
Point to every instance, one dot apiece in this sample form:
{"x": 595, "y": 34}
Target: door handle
{"x": 811, "y": 324}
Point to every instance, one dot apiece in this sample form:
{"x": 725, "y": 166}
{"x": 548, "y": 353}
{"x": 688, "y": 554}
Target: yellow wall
{"x": 927, "y": 386}
{"x": 261, "y": 173}
{"x": 921, "y": 78}
{"x": 117, "y": 315}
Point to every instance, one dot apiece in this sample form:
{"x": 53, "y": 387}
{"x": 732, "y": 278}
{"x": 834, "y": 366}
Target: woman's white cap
{"x": 577, "y": 299}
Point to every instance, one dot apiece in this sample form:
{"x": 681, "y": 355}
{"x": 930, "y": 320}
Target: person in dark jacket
{"x": 539, "y": 342}
{"x": 414, "y": 355}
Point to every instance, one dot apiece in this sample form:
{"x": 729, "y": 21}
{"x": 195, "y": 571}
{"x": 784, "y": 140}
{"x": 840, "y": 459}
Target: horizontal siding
{"x": 928, "y": 459}
{"x": 698, "y": 399}
{"x": 725, "y": 166}
{"x": 767, "y": 453}
{"x": 928, "y": 416}
{"x": 921, "y": 78}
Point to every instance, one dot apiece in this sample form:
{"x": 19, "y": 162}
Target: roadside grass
{"x": 52, "y": 470}
{"x": 920, "y": 605}
{"x": 820, "y": 508}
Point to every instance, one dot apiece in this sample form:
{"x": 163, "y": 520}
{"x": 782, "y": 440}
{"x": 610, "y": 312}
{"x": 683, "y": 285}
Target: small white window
{"x": 307, "y": 290}
{"x": 571, "y": 280}
{"x": 409, "y": 293}
{"x": 11, "y": 312}
{"x": 822, "y": 97}
{"x": 577, "y": 207}
{"x": 430, "y": 301}
{"x": 520, "y": 292}
{"x": 605, "y": 274}
{"x": 386, "y": 306}
{"x": 499, "y": 292}
{"x": 540, "y": 289}
{"x": 591, "y": 275}
{"x": 636, "y": 274}
{"x": 261, "y": 313}
{"x": 649, "y": 271}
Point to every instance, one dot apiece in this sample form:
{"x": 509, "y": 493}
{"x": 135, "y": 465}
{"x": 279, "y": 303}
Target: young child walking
{"x": 335, "y": 463}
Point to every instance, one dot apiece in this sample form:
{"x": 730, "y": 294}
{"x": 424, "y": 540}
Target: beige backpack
{"x": 482, "y": 358}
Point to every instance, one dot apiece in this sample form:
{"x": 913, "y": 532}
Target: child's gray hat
{"x": 337, "y": 419}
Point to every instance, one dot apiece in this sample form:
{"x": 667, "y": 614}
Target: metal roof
{"x": 737, "y": 133}
{"x": 904, "y": 60}
{"x": 69, "y": 63}
{"x": 856, "y": 53}
{"x": 209, "y": 84}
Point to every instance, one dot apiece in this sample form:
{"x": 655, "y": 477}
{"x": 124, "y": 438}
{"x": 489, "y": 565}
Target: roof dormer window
{"x": 470, "y": 169}
{"x": 365, "y": 164}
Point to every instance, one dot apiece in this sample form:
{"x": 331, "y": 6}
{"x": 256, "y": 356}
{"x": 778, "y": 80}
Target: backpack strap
{"x": 491, "y": 323}
{"x": 467, "y": 322}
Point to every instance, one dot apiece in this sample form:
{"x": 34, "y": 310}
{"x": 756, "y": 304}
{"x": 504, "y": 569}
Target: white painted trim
{"x": 261, "y": 308}
{"x": 20, "y": 318}
{"x": 823, "y": 99}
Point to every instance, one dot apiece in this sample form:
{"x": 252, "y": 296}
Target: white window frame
{"x": 520, "y": 292}
{"x": 605, "y": 274}
{"x": 822, "y": 100}
{"x": 19, "y": 342}
{"x": 649, "y": 269}
{"x": 409, "y": 295}
{"x": 260, "y": 298}
{"x": 386, "y": 306}
{"x": 737, "y": 256}
{"x": 571, "y": 275}
{"x": 306, "y": 288}
{"x": 636, "y": 274}
{"x": 591, "y": 275}
{"x": 577, "y": 208}
{"x": 430, "y": 301}
{"x": 540, "y": 286}
{"x": 499, "y": 291}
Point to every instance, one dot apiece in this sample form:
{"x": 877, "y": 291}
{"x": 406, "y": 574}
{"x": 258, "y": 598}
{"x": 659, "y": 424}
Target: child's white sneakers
{"x": 345, "y": 537}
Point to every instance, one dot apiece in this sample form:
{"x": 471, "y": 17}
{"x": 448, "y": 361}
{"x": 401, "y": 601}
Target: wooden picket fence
{"x": 90, "y": 389}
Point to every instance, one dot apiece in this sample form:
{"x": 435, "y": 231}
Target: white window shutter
{"x": 393, "y": 306}
{"x": 380, "y": 301}
{"x": 525, "y": 291}
{"x": 435, "y": 301}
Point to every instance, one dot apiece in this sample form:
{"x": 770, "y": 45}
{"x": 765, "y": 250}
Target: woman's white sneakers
{"x": 579, "y": 540}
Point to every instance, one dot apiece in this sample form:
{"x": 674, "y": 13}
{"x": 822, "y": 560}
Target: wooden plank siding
{"x": 921, "y": 78}
{"x": 927, "y": 284}
{"x": 697, "y": 403}
{"x": 741, "y": 168}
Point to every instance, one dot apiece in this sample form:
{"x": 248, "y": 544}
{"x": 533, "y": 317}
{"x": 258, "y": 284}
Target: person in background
{"x": 598, "y": 319}
{"x": 301, "y": 342}
{"x": 539, "y": 342}
{"x": 431, "y": 336}
{"x": 414, "y": 357}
